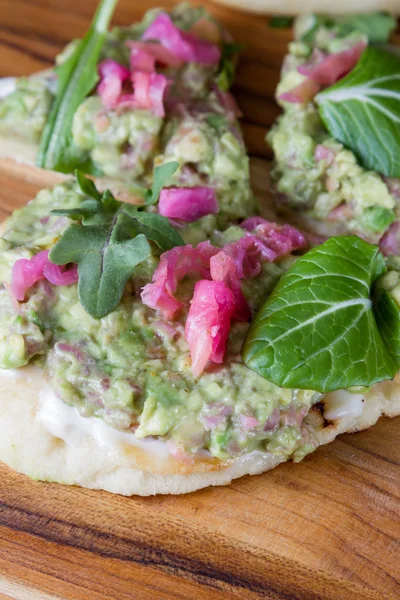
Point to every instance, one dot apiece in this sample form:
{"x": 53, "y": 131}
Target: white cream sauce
{"x": 342, "y": 404}
{"x": 66, "y": 423}
{"x": 8, "y": 85}
{"x": 12, "y": 373}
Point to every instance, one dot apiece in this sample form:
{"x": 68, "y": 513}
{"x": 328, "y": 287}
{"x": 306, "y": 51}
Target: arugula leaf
{"x": 318, "y": 329}
{"x": 87, "y": 185}
{"x": 109, "y": 242}
{"x": 280, "y": 21}
{"x": 160, "y": 177}
{"x": 155, "y": 227}
{"x": 362, "y": 111}
{"x": 77, "y": 76}
{"x": 104, "y": 265}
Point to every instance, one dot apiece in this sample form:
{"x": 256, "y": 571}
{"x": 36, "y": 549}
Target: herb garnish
{"x": 324, "y": 327}
{"x": 76, "y": 78}
{"x": 377, "y": 25}
{"x": 110, "y": 240}
{"x": 281, "y": 21}
{"x": 227, "y": 65}
{"x": 362, "y": 111}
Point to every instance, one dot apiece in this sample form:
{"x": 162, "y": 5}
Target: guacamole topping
{"x": 133, "y": 368}
{"x": 160, "y": 98}
{"x": 137, "y": 314}
{"x": 313, "y": 173}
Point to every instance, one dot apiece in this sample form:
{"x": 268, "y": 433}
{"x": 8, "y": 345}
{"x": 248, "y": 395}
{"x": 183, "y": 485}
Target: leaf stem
{"x": 103, "y": 15}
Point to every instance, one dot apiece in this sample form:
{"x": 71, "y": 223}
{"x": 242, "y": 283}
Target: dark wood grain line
{"x": 121, "y": 549}
{"x": 260, "y": 579}
{"x": 25, "y": 33}
{"x": 344, "y": 541}
{"x": 387, "y": 459}
{"x": 24, "y": 50}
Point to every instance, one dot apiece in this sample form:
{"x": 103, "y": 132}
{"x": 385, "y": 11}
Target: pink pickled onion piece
{"x": 174, "y": 265}
{"x": 273, "y": 420}
{"x": 327, "y": 70}
{"x": 252, "y": 222}
{"x": 140, "y": 60}
{"x": 223, "y": 268}
{"x": 149, "y": 89}
{"x": 111, "y": 67}
{"x": 160, "y": 54}
{"x": 282, "y": 239}
{"x": 155, "y": 296}
{"x": 302, "y": 93}
{"x": 109, "y": 90}
{"x": 113, "y": 75}
{"x": 26, "y": 273}
{"x": 248, "y": 253}
{"x": 188, "y": 204}
{"x": 208, "y": 323}
{"x": 341, "y": 213}
{"x": 141, "y": 84}
{"x": 248, "y": 422}
{"x": 263, "y": 242}
{"x": 157, "y": 88}
{"x": 59, "y": 275}
{"x": 210, "y": 422}
{"x": 390, "y": 243}
{"x": 184, "y": 45}
{"x": 324, "y": 153}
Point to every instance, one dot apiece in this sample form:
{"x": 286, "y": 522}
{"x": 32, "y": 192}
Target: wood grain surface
{"x": 326, "y": 529}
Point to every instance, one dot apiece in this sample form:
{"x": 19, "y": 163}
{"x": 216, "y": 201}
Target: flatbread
{"x": 294, "y": 7}
{"x": 29, "y": 447}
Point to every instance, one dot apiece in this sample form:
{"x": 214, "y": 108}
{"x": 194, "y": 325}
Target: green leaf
{"x": 111, "y": 240}
{"x": 87, "y": 209}
{"x": 77, "y": 77}
{"x": 227, "y": 65}
{"x": 387, "y": 316}
{"x": 362, "y": 111}
{"x": 155, "y": 227}
{"x": 318, "y": 329}
{"x": 376, "y": 25}
{"x": 87, "y": 185}
{"x": 280, "y": 21}
{"x": 160, "y": 177}
{"x": 216, "y": 121}
{"x": 104, "y": 266}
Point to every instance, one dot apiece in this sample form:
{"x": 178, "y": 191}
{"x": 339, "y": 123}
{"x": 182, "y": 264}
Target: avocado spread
{"x": 123, "y": 142}
{"x": 166, "y": 362}
{"x": 132, "y": 368}
{"x": 313, "y": 174}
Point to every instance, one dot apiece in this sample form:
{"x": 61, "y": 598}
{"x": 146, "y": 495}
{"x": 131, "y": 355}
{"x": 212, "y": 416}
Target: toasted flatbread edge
{"x": 29, "y": 448}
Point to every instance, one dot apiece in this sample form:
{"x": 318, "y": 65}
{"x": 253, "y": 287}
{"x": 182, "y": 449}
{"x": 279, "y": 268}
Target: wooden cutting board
{"x": 327, "y": 529}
